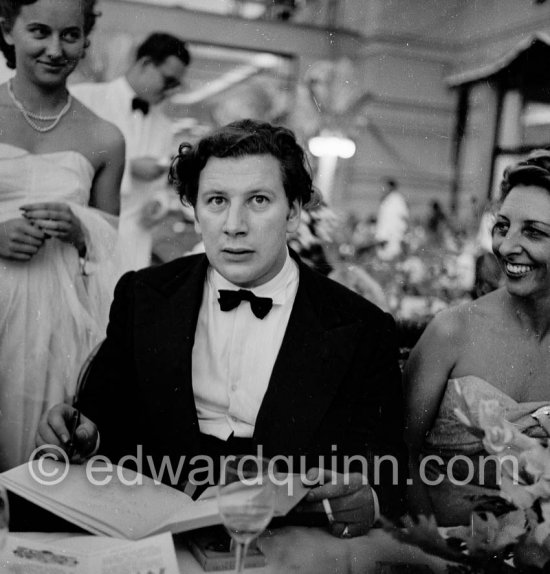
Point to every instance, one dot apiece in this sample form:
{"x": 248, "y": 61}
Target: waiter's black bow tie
{"x": 230, "y": 299}
{"x": 141, "y": 105}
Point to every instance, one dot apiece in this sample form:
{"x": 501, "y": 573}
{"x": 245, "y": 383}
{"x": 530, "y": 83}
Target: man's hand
{"x": 20, "y": 239}
{"x": 56, "y": 220}
{"x": 350, "y": 499}
{"x": 54, "y": 429}
{"x": 147, "y": 168}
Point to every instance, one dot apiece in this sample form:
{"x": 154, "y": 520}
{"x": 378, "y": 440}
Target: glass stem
{"x": 240, "y": 555}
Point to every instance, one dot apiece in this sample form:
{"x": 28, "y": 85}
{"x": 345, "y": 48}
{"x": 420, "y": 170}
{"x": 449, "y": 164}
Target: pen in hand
{"x": 75, "y": 423}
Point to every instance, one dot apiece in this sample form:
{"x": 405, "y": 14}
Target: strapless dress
{"x": 51, "y": 316}
{"x": 454, "y": 445}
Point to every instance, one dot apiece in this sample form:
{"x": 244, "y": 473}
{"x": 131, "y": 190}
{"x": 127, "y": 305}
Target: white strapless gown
{"x": 50, "y": 315}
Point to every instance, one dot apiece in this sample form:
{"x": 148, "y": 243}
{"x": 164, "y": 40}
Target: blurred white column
{"x": 328, "y": 147}
{"x": 324, "y": 178}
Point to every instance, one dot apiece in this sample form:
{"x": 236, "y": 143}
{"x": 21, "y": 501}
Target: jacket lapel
{"x": 309, "y": 367}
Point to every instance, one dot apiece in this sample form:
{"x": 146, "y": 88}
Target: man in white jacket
{"x": 133, "y": 103}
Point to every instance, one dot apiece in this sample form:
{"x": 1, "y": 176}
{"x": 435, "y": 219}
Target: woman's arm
{"x": 105, "y": 192}
{"x": 57, "y": 219}
{"x": 425, "y": 378}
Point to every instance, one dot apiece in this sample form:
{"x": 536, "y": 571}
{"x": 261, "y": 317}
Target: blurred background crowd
{"x": 410, "y": 112}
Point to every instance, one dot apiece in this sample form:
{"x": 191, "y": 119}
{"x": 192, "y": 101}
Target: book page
{"x": 289, "y": 490}
{"x": 127, "y": 505}
{"x": 122, "y": 502}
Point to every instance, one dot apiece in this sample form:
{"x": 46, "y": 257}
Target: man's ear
{"x": 293, "y": 218}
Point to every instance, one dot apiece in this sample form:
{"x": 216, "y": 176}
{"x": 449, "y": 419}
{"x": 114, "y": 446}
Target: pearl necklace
{"x": 30, "y": 116}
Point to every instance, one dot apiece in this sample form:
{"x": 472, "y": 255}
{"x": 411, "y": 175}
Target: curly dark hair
{"x": 240, "y": 139}
{"x": 10, "y": 10}
{"x": 533, "y": 170}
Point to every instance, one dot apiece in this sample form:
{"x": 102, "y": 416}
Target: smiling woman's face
{"x": 521, "y": 241}
{"x": 49, "y": 40}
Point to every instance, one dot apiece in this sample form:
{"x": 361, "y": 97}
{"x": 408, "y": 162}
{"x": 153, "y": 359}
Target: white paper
{"x": 90, "y": 555}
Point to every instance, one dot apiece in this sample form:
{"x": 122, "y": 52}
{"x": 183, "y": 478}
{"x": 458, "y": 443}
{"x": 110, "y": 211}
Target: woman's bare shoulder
{"x": 457, "y": 322}
{"x": 490, "y": 306}
{"x": 451, "y": 321}
{"x": 101, "y": 131}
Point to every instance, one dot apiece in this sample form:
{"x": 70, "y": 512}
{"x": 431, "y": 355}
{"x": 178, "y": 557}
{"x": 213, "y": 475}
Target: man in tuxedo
{"x": 245, "y": 346}
{"x": 133, "y": 102}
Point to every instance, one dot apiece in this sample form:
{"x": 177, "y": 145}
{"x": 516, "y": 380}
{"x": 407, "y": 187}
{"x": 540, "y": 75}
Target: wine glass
{"x": 246, "y": 499}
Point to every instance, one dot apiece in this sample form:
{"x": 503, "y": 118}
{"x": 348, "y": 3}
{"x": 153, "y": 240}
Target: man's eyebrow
{"x": 213, "y": 189}
{"x": 259, "y": 190}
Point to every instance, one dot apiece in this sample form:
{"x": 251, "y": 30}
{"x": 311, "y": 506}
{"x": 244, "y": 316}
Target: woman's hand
{"x": 20, "y": 240}
{"x": 57, "y": 220}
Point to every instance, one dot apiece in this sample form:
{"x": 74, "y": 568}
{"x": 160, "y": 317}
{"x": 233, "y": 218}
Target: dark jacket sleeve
{"x": 385, "y": 446}
{"x": 107, "y": 398}
{"x": 363, "y": 429}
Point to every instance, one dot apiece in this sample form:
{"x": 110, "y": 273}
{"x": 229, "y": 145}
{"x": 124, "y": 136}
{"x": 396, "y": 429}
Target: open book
{"x": 128, "y": 505}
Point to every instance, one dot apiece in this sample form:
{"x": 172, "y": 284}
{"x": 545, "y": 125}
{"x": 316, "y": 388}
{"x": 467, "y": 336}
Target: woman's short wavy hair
{"x": 239, "y": 139}
{"x": 533, "y": 170}
{"x": 10, "y": 10}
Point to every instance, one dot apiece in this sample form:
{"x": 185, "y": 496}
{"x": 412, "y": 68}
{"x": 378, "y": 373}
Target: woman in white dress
{"x": 60, "y": 172}
{"x": 496, "y": 347}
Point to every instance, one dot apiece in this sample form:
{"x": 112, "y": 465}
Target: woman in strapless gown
{"x": 496, "y": 347}
{"x": 60, "y": 171}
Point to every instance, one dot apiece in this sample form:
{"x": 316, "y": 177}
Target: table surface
{"x": 310, "y": 551}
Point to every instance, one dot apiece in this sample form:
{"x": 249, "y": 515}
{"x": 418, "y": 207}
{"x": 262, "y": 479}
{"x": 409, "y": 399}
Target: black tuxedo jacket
{"x": 335, "y": 388}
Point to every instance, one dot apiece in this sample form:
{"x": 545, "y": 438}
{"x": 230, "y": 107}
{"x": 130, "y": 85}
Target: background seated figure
{"x": 308, "y": 370}
{"x": 496, "y": 347}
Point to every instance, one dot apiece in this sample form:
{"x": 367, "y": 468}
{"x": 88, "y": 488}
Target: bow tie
{"x": 230, "y": 299}
{"x": 141, "y": 105}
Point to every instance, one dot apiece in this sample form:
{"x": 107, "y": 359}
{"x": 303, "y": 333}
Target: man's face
{"x": 243, "y": 215}
{"x": 157, "y": 81}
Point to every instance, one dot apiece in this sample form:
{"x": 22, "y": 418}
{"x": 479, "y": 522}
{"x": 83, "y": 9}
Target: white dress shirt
{"x": 234, "y": 353}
